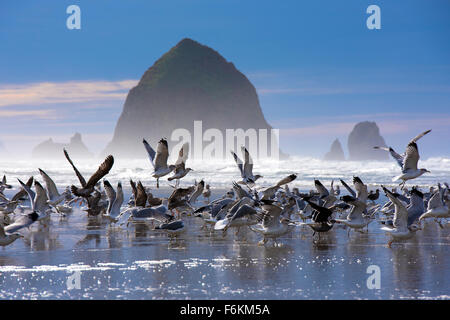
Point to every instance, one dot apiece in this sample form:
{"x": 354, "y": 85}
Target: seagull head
{"x": 414, "y": 227}
{"x": 424, "y": 170}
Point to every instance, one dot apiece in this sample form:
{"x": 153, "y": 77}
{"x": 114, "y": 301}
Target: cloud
{"x": 42, "y": 114}
{"x": 33, "y": 94}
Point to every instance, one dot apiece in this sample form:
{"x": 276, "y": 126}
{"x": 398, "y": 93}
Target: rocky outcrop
{"x": 54, "y": 150}
{"x": 362, "y": 139}
{"x": 336, "y": 152}
{"x": 191, "y": 82}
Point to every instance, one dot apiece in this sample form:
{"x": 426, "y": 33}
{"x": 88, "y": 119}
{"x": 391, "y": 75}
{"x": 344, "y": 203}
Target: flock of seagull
{"x": 270, "y": 211}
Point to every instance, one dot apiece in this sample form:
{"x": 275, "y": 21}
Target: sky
{"x": 317, "y": 68}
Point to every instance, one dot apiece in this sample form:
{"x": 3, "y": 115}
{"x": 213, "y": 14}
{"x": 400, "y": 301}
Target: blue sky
{"x": 317, "y": 68}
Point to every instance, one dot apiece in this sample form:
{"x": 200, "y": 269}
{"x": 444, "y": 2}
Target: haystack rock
{"x": 336, "y": 152}
{"x": 54, "y": 150}
{"x": 191, "y": 82}
{"x": 362, "y": 139}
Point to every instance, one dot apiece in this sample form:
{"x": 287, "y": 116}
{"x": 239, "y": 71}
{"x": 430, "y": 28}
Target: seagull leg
{"x": 157, "y": 182}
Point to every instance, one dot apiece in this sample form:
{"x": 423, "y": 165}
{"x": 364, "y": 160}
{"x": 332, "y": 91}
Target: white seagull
{"x": 408, "y": 160}
{"x": 115, "y": 200}
{"x": 401, "y": 230}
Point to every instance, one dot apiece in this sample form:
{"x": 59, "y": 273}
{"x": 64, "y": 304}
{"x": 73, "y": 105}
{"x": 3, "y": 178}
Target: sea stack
{"x": 336, "y": 152}
{"x": 364, "y": 136}
{"x": 54, "y": 150}
{"x": 191, "y": 82}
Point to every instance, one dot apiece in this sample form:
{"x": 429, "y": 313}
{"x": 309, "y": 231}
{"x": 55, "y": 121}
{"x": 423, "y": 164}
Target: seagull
{"x": 180, "y": 165}
{"x": 269, "y": 193}
{"x": 355, "y": 219}
{"x": 361, "y": 189}
{"x": 320, "y": 220}
{"x": 159, "y": 162}
{"x": 54, "y": 198}
{"x": 27, "y": 219}
{"x": 408, "y": 161}
{"x": 115, "y": 200}
{"x": 4, "y": 185}
{"x": 324, "y": 194}
{"x": 8, "y": 206}
{"x": 6, "y": 239}
{"x": 241, "y": 214}
{"x": 438, "y": 206}
{"x": 401, "y": 230}
{"x": 88, "y": 187}
{"x": 246, "y": 168}
{"x": 22, "y": 193}
{"x": 197, "y": 192}
{"x": 272, "y": 226}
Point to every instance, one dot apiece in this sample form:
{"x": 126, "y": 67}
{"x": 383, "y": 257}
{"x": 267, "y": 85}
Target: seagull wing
{"x": 239, "y": 163}
{"x": 30, "y": 193}
{"x": 395, "y": 155}
{"x": 102, "y": 171}
{"x": 361, "y": 189}
{"x": 248, "y": 162}
{"x": 134, "y": 189}
{"x": 162, "y": 154}
{"x": 115, "y": 209}
{"x": 151, "y": 153}
{"x": 141, "y": 195}
{"x": 350, "y": 190}
{"x": 80, "y": 177}
{"x": 22, "y": 192}
{"x": 110, "y": 193}
{"x": 40, "y": 201}
{"x": 52, "y": 191}
{"x": 321, "y": 189}
{"x": 286, "y": 180}
{"x": 400, "y": 220}
{"x": 183, "y": 154}
{"x": 411, "y": 157}
{"x": 435, "y": 201}
{"x": 420, "y": 136}
{"x": 322, "y": 213}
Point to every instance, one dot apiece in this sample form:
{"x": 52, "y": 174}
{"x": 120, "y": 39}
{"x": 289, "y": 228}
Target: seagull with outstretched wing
{"x": 246, "y": 167}
{"x": 408, "y": 161}
{"x": 158, "y": 159}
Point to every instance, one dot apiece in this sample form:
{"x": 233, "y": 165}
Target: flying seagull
{"x": 246, "y": 167}
{"x": 158, "y": 159}
{"x": 408, "y": 160}
{"x": 88, "y": 187}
